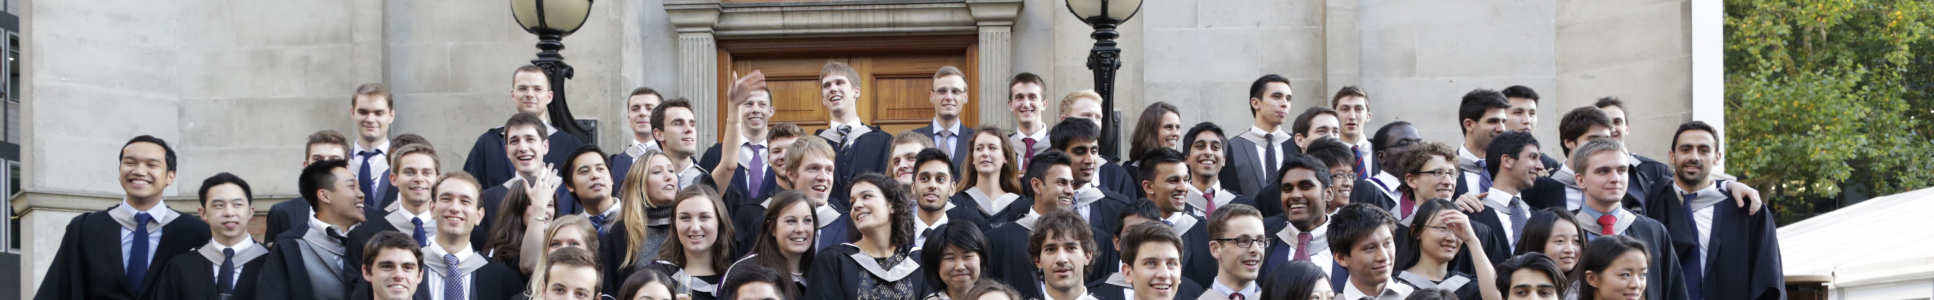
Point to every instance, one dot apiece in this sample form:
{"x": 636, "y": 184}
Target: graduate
{"x": 676, "y": 127}
{"x": 1117, "y": 286}
{"x": 291, "y": 217}
{"x": 1333, "y": 153}
{"x": 1389, "y": 143}
{"x": 948, "y": 97}
{"x": 530, "y": 93}
{"x": 527, "y": 152}
{"x": 1602, "y": 179}
{"x": 955, "y": 258}
{"x": 588, "y": 177}
{"x": 1585, "y": 124}
{"x": 1646, "y": 173}
{"x": 1060, "y": 250}
{"x": 1151, "y": 263}
{"x": 210, "y": 272}
{"x": 1517, "y": 168}
{"x": 1302, "y": 232}
{"x": 1237, "y": 245}
{"x": 990, "y": 183}
{"x": 1612, "y": 266}
{"x": 1256, "y": 153}
{"x": 1438, "y": 235}
{"x": 1097, "y": 193}
{"x": 385, "y": 182}
{"x": 988, "y": 289}
{"x": 757, "y": 283}
{"x": 647, "y": 285}
{"x": 880, "y": 263}
{"x": 1025, "y": 100}
{"x": 1202, "y": 150}
{"x": 395, "y": 267}
{"x": 1299, "y": 280}
{"x": 416, "y": 170}
{"x": 902, "y": 155}
{"x": 1429, "y": 167}
{"x": 638, "y": 107}
{"x": 1167, "y": 186}
{"x": 750, "y": 178}
{"x": 519, "y": 234}
{"x": 785, "y": 242}
{"x": 1531, "y": 276}
{"x": 701, "y": 243}
{"x": 373, "y": 110}
{"x": 933, "y": 186}
{"x": 633, "y": 241}
{"x": 1555, "y": 234}
{"x": 1712, "y": 238}
{"x": 1361, "y": 239}
{"x": 1160, "y": 126}
{"x": 1052, "y": 187}
{"x": 314, "y": 265}
{"x": 1482, "y": 113}
{"x": 570, "y": 273}
{"x": 455, "y": 270}
{"x": 811, "y": 165}
{"x": 861, "y": 148}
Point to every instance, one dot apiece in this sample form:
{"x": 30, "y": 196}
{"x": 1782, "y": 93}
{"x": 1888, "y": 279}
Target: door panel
{"x": 893, "y": 94}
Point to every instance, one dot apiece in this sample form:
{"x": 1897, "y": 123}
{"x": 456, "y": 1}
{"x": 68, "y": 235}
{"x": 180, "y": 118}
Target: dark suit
{"x": 289, "y": 216}
{"x": 1649, "y": 174}
{"x": 191, "y": 276}
{"x": 734, "y": 193}
{"x": 1742, "y": 259}
{"x": 89, "y": 264}
{"x": 490, "y": 165}
{"x": 964, "y": 140}
{"x": 867, "y": 154}
{"x": 1245, "y": 174}
{"x": 1116, "y": 179}
{"x": 620, "y": 165}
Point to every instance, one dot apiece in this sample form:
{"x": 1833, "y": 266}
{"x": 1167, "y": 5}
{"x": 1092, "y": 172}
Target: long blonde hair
{"x": 579, "y": 222}
{"x": 636, "y": 198}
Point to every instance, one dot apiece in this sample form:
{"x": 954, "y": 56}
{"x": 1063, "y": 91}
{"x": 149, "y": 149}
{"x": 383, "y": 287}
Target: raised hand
{"x": 743, "y": 87}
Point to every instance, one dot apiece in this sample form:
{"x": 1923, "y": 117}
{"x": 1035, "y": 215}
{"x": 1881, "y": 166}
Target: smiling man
{"x": 1030, "y": 134}
{"x": 297, "y": 267}
{"x": 455, "y": 270}
{"x": 395, "y": 268}
{"x": 638, "y": 109}
{"x": 373, "y": 110}
{"x": 588, "y": 178}
{"x": 416, "y": 169}
{"x": 530, "y": 94}
{"x": 1301, "y": 233}
{"x": 1167, "y": 185}
{"x": 211, "y": 272}
{"x": 1237, "y": 244}
{"x": 933, "y": 190}
{"x": 85, "y": 267}
{"x": 949, "y": 97}
{"x": 861, "y": 148}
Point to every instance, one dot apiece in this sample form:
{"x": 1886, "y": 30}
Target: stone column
{"x": 698, "y": 58}
{"x": 995, "y": 22}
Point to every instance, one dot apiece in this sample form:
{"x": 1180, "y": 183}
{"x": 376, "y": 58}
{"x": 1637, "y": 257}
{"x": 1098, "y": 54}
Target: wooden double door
{"x": 896, "y": 77}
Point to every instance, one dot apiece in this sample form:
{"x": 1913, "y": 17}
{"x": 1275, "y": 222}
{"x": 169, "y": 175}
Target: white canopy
{"x": 1879, "y": 248}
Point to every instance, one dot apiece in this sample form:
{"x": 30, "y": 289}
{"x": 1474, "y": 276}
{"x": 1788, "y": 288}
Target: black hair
{"x": 1509, "y": 144}
{"x": 1355, "y": 222}
{"x": 1600, "y": 253}
{"x": 1576, "y": 122}
{"x": 226, "y": 178}
{"x": 1038, "y": 166}
{"x": 899, "y": 207}
{"x": 754, "y": 274}
{"x": 1695, "y": 126}
{"x": 965, "y": 236}
{"x": 318, "y": 176}
{"x": 1143, "y": 209}
{"x": 1157, "y": 157}
{"x": 1256, "y": 88}
{"x": 638, "y": 280}
{"x": 1609, "y": 101}
{"x": 1188, "y": 139}
{"x": 934, "y": 154}
{"x": 1537, "y": 229}
{"x": 1411, "y": 254}
{"x": 1520, "y": 91}
{"x": 571, "y": 162}
{"x": 1072, "y": 131}
{"x": 1301, "y": 161}
{"x": 1531, "y": 261}
{"x": 384, "y": 240}
{"x": 658, "y": 113}
{"x": 1296, "y": 281}
{"x": 1332, "y": 152}
{"x": 165, "y": 149}
{"x": 1302, "y": 124}
{"x": 1149, "y": 232}
{"x": 1380, "y": 140}
{"x": 1476, "y": 103}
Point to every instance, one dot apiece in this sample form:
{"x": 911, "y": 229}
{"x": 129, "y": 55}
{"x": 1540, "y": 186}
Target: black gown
{"x": 284, "y": 274}
{"x": 844, "y": 273}
{"x": 867, "y": 154}
{"x": 1743, "y": 260}
{"x": 489, "y": 164}
{"x": 88, "y": 264}
{"x": 1665, "y": 280}
{"x": 192, "y": 276}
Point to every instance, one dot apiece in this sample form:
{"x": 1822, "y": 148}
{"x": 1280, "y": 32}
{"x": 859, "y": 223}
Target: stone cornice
{"x": 833, "y": 18}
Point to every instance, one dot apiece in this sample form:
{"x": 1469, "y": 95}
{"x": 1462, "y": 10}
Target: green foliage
{"x": 1826, "y": 96}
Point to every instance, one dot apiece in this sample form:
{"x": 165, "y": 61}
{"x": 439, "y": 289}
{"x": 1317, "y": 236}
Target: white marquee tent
{"x": 1882, "y": 248}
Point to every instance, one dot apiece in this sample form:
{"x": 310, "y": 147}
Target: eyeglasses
{"x": 1340, "y": 177}
{"x": 1438, "y": 173}
{"x": 1246, "y": 242}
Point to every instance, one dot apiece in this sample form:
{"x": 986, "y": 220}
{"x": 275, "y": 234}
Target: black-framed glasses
{"x": 1438, "y": 172}
{"x": 1245, "y": 242}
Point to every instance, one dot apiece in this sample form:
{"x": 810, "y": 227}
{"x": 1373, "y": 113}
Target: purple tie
{"x": 756, "y": 174}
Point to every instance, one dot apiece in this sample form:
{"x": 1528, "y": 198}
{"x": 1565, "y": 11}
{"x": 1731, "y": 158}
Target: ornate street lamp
{"x": 551, "y": 20}
{"x": 1104, "y": 15}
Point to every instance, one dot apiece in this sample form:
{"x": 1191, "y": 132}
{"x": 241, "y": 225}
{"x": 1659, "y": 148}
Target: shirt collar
{"x": 160, "y": 213}
{"x": 1257, "y": 133}
{"x": 954, "y": 128}
{"x": 380, "y": 147}
{"x": 437, "y": 250}
{"x": 1498, "y": 199}
{"x": 610, "y": 213}
{"x": 921, "y": 225}
{"x": 1249, "y": 289}
{"x": 248, "y": 242}
{"x": 1391, "y": 290}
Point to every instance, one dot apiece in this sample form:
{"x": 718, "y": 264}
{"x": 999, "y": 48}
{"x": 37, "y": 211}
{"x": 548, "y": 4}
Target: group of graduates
{"x": 1325, "y": 211}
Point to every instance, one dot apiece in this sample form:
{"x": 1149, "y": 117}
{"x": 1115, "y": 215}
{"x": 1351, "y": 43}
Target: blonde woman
{"x": 646, "y": 220}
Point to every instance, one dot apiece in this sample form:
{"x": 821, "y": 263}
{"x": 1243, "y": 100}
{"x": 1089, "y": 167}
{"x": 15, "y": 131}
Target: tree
{"x": 1829, "y": 97}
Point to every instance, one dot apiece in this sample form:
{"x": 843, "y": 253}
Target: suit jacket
{"x": 1743, "y": 247}
{"x": 497, "y": 280}
{"x": 1244, "y": 173}
{"x": 1664, "y": 280}
{"x": 1116, "y": 179}
{"x": 867, "y": 154}
{"x": 192, "y": 276}
{"x": 1367, "y": 192}
{"x": 620, "y": 167}
{"x": 289, "y": 216}
{"x": 964, "y": 142}
{"x": 88, "y": 264}
{"x": 1649, "y": 174}
{"x": 736, "y": 193}
{"x": 489, "y": 164}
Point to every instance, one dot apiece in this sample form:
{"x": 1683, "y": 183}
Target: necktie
{"x": 597, "y": 221}
{"x": 363, "y": 179}
{"x": 138, "y": 253}
{"x": 1209, "y": 196}
{"x": 1694, "y": 266}
{"x": 1518, "y": 216}
{"x": 1269, "y": 154}
{"x": 843, "y": 131}
{"x": 422, "y": 238}
{"x": 1235, "y": 296}
{"x": 1302, "y": 246}
{"x": 225, "y": 283}
{"x": 452, "y": 281}
{"x": 925, "y": 232}
{"x": 1030, "y": 150}
{"x": 1483, "y": 177}
{"x": 944, "y": 140}
{"x": 1406, "y": 206}
{"x": 1605, "y": 223}
{"x": 1362, "y": 170}
{"x": 756, "y": 174}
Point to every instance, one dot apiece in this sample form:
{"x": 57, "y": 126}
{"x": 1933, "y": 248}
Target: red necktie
{"x": 1030, "y": 148}
{"x": 1302, "y": 246}
{"x": 1235, "y": 296}
{"x": 1605, "y": 222}
{"x": 1407, "y": 205}
{"x": 1209, "y": 196}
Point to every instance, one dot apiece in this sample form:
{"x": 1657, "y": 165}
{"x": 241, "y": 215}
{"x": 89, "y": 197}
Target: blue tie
{"x": 1483, "y": 177}
{"x": 225, "y": 282}
{"x": 138, "y": 254}
{"x": 422, "y": 240}
{"x": 1693, "y": 266}
{"x": 597, "y": 221}
{"x": 452, "y": 281}
{"x": 363, "y": 179}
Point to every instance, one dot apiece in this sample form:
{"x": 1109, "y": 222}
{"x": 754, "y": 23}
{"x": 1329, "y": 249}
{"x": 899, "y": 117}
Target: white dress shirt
{"x": 248, "y": 242}
{"x": 124, "y": 214}
{"x": 1255, "y": 134}
{"x": 433, "y": 279}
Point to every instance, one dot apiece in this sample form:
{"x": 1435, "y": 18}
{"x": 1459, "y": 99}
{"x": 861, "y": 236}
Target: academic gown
{"x": 620, "y": 165}
{"x": 1113, "y": 288}
{"x": 1649, "y": 174}
{"x": 1011, "y": 263}
{"x": 289, "y": 216}
{"x": 838, "y": 273}
{"x": 737, "y": 193}
{"x": 1012, "y": 211}
{"x": 1466, "y": 285}
{"x": 488, "y": 162}
{"x": 1744, "y": 248}
{"x": 1665, "y": 281}
{"x": 867, "y": 154}
{"x": 612, "y": 247}
{"x": 1547, "y": 192}
{"x": 1197, "y": 264}
{"x": 496, "y": 280}
{"x": 88, "y": 264}
{"x": 379, "y": 224}
{"x": 1497, "y": 247}
{"x": 1114, "y": 178}
{"x": 1244, "y": 172}
{"x": 1368, "y": 191}
{"x": 964, "y": 141}
{"x": 284, "y": 274}
{"x": 493, "y": 197}
{"x": 1277, "y": 258}
{"x": 192, "y": 275}
{"x": 1104, "y": 220}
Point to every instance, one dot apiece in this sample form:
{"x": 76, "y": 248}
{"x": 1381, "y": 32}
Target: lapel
{"x": 106, "y": 241}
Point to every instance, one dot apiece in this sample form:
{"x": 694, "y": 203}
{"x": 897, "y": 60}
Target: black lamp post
{"x": 1104, "y": 15}
{"x": 551, "y": 20}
